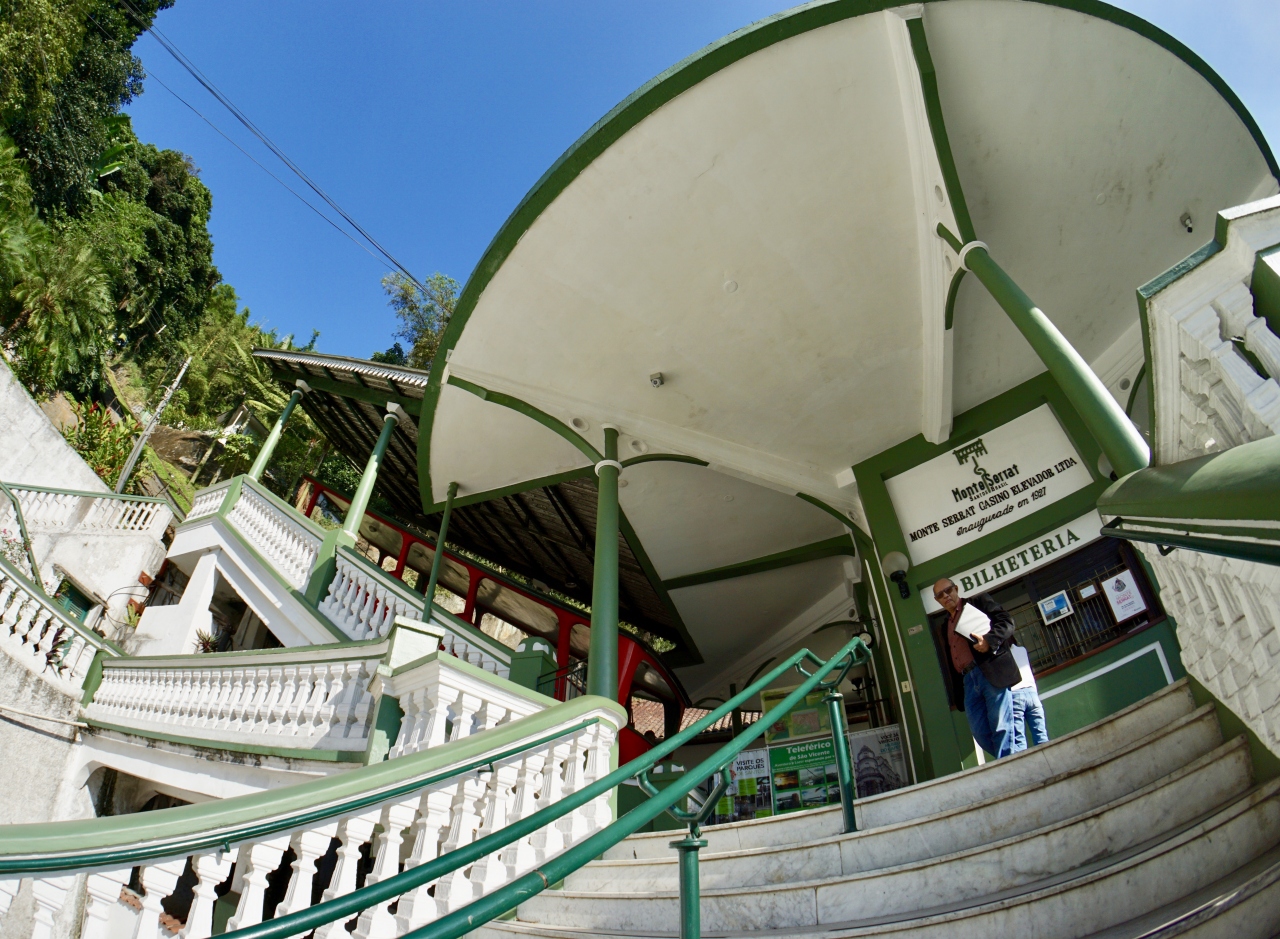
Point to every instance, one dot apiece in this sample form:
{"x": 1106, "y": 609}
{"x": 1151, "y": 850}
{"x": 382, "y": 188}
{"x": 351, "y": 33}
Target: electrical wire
{"x": 266, "y": 141}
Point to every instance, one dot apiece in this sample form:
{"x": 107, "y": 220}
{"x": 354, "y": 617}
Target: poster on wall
{"x": 804, "y": 775}
{"x": 987, "y": 483}
{"x": 1123, "y": 595}
{"x": 809, "y": 718}
{"x": 878, "y": 762}
{"x": 749, "y": 794}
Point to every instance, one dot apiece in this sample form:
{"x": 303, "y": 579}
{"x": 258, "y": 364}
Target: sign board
{"x": 1123, "y": 595}
{"x": 804, "y": 775}
{"x": 1017, "y": 561}
{"x": 1054, "y": 608}
{"x": 990, "y": 482}
{"x": 750, "y": 794}
{"x": 809, "y": 718}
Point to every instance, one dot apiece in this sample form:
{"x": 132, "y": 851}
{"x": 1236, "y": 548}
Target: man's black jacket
{"x": 998, "y": 664}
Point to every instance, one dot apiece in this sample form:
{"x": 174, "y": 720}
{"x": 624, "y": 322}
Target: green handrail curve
{"x": 89, "y": 636}
{"x": 1225, "y": 503}
{"x": 120, "y": 841}
{"x": 387, "y": 890}
{"x": 26, "y": 539}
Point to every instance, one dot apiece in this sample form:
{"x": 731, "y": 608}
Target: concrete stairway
{"x": 1145, "y": 824}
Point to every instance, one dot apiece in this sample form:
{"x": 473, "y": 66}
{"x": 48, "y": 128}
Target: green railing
{"x": 1225, "y": 503}
{"x": 505, "y": 899}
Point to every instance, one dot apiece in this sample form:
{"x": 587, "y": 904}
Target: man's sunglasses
{"x": 944, "y": 592}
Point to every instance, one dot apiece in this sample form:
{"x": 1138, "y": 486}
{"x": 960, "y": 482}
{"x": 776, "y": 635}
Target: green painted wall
{"x": 1105, "y": 683}
{"x": 947, "y": 747}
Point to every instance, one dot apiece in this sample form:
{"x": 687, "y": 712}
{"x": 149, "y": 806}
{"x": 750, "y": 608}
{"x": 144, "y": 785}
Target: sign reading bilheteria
{"x": 986, "y": 484}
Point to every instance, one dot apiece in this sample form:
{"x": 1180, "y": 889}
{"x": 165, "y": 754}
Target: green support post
{"x": 264, "y": 455}
{"x": 360, "y": 501}
{"x": 844, "y": 764}
{"x": 1102, "y": 414}
{"x": 602, "y": 660}
{"x": 690, "y": 895}
{"x": 437, "y": 560}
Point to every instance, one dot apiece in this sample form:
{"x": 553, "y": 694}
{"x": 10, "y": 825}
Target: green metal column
{"x": 438, "y": 560}
{"x": 360, "y": 501}
{"x": 264, "y": 455}
{"x": 602, "y": 661}
{"x": 844, "y": 765}
{"x": 1102, "y": 414}
{"x": 690, "y": 895}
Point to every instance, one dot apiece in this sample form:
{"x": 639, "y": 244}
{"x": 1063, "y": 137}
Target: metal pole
{"x": 437, "y": 560}
{"x": 690, "y": 898}
{"x": 844, "y": 765}
{"x": 602, "y": 662}
{"x": 360, "y": 501}
{"x": 151, "y": 426}
{"x": 1101, "y": 413}
{"x": 264, "y": 455}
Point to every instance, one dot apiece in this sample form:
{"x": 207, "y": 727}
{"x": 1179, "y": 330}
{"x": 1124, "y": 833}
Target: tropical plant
{"x": 100, "y": 441}
{"x": 423, "y": 312}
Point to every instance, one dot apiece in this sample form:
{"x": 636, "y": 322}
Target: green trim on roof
{"x": 953, "y": 293}
{"x": 361, "y": 393}
{"x": 829, "y": 548}
{"x": 834, "y": 513}
{"x": 680, "y": 78}
{"x": 664, "y": 458}
{"x": 528, "y": 410}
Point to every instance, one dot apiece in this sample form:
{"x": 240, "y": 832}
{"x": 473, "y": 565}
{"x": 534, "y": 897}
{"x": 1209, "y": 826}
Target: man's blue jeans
{"x": 990, "y": 713}
{"x": 1028, "y": 720}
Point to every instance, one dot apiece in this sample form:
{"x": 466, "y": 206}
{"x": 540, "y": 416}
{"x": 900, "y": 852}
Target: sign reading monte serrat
{"x": 986, "y": 484}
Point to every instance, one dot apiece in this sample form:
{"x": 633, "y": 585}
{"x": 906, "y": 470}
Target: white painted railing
{"x": 410, "y": 828}
{"x": 40, "y": 635}
{"x": 64, "y": 510}
{"x": 208, "y": 501}
{"x": 298, "y": 698}
{"x": 364, "y": 601}
{"x": 281, "y": 535}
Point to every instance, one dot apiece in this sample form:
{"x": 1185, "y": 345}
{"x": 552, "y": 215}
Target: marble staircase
{"x": 1145, "y": 824}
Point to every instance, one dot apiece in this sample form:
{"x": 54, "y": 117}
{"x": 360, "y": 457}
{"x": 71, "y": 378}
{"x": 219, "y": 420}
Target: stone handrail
{"x": 63, "y": 510}
{"x": 40, "y": 635}
{"x": 438, "y": 800}
{"x": 305, "y": 700}
{"x": 278, "y": 532}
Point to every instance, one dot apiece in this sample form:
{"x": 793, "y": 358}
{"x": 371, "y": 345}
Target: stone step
{"x": 1100, "y": 895}
{"x": 1138, "y": 818}
{"x": 1192, "y": 738}
{"x": 979, "y": 784}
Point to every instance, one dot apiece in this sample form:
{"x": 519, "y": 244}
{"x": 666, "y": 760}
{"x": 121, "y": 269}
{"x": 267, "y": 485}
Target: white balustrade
{"x": 278, "y": 533}
{"x": 429, "y": 822}
{"x": 364, "y": 601}
{"x": 295, "y": 699}
{"x": 52, "y": 510}
{"x": 208, "y": 501}
{"x": 40, "y": 635}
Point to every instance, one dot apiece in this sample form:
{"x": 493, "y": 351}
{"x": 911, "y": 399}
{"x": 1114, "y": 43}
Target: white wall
{"x": 31, "y": 449}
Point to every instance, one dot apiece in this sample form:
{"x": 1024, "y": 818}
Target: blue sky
{"x": 428, "y": 121}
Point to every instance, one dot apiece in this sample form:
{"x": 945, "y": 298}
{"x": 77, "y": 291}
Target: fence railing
{"x": 63, "y": 510}
{"x": 281, "y": 535}
{"x": 38, "y": 633}
{"x": 442, "y": 798}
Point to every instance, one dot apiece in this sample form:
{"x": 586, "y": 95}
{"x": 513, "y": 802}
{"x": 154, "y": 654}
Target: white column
{"x": 102, "y": 893}
{"x": 210, "y": 870}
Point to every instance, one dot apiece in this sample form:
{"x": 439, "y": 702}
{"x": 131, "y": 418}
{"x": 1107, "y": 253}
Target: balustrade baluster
{"x": 377, "y": 922}
{"x": 418, "y": 906}
{"x": 548, "y": 841}
{"x": 210, "y": 870}
{"x": 308, "y": 847}
{"x": 50, "y": 894}
{"x": 352, "y": 834}
{"x": 158, "y": 881}
{"x": 259, "y": 860}
{"x": 574, "y": 826}
{"x": 492, "y": 871}
{"x": 8, "y": 890}
{"x": 520, "y": 856}
{"x": 102, "y": 893}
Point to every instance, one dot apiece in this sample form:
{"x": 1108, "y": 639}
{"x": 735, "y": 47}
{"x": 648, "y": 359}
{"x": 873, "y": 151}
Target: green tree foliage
{"x": 423, "y": 314}
{"x": 104, "y": 444}
{"x": 393, "y": 356}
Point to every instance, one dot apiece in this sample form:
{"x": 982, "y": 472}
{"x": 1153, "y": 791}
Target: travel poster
{"x": 750, "y": 792}
{"x": 803, "y": 775}
{"x": 879, "y": 764}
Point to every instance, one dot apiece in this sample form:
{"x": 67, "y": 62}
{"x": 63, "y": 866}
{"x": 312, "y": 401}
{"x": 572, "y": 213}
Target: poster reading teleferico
{"x": 986, "y": 484}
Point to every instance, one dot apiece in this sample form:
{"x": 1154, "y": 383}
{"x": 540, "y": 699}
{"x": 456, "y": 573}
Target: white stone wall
{"x": 1228, "y": 616}
{"x": 31, "y": 449}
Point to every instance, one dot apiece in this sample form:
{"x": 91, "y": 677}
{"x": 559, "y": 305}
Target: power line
{"x": 266, "y": 141}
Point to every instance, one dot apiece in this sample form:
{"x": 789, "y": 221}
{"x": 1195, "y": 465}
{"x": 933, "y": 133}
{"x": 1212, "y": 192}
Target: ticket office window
{"x": 1092, "y": 624}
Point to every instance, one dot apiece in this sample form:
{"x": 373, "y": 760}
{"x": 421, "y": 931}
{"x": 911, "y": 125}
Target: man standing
{"x": 1028, "y": 713}
{"x": 987, "y": 667}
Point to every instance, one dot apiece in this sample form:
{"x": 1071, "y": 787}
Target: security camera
{"x": 656, "y": 379}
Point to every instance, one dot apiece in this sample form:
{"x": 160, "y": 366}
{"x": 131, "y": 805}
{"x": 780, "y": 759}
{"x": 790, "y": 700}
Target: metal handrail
{"x": 507, "y": 898}
{"x": 26, "y": 539}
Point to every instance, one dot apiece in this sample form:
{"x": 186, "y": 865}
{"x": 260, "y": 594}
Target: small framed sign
{"x": 1055, "y": 607}
{"x": 1123, "y": 595}
{"x": 1087, "y": 591}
